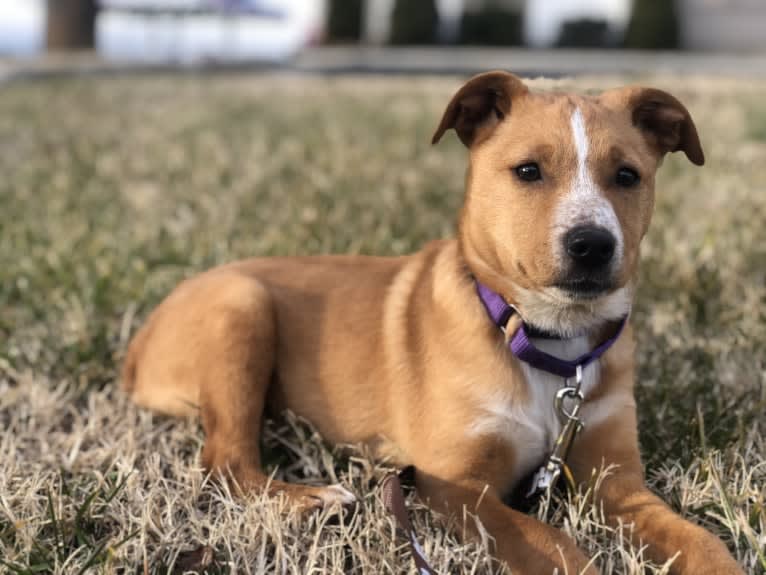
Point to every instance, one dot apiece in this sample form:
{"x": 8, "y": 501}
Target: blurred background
{"x": 240, "y": 31}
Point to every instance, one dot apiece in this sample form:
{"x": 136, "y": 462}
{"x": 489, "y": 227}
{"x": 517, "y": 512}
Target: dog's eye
{"x": 626, "y": 178}
{"x": 529, "y": 172}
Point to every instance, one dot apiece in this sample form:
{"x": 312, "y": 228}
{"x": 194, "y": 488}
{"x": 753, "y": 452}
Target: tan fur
{"x": 399, "y": 353}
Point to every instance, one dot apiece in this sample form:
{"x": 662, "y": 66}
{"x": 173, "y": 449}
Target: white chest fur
{"x": 532, "y": 426}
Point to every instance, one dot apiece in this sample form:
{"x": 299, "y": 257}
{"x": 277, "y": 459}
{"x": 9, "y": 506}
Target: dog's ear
{"x": 664, "y": 120}
{"x": 479, "y": 106}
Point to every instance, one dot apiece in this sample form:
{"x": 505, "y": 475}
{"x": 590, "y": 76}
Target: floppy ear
{"x": 479, "y": 106}
{"x": 664, "y": 120}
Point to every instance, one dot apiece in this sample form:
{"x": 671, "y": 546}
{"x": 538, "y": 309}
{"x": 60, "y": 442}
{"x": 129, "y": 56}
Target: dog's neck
{"x": 521, "y": 341}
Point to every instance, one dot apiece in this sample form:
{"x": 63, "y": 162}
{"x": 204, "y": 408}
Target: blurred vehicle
{"x": 178, "y": 31}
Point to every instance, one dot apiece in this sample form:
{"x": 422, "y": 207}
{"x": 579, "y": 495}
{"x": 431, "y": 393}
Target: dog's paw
{"x": 328, "y": 497}
{"x": 336, "y": 494}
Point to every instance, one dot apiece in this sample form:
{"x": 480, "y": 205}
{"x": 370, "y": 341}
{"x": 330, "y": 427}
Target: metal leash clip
{"x": 549, "y": 473}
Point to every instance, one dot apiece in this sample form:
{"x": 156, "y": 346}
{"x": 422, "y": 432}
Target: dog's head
{"x": 560, "y": 192}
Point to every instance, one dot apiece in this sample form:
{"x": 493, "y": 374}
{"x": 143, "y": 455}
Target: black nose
{"x": 590, "y": 247}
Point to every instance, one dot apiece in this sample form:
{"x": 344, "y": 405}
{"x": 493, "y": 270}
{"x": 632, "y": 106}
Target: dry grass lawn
{"x": 114, "y": 189}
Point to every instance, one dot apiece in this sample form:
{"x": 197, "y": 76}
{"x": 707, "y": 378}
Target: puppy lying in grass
{"x": 475, "y": 359}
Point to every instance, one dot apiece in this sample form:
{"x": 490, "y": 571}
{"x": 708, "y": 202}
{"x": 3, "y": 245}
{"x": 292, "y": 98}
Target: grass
{"x": 114, "y": 189}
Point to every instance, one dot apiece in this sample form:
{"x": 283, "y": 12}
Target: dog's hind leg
{"x": 211, "y": 344}
{"x": 159, "y": 371}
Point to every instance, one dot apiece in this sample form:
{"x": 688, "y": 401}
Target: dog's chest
{"x": 529, "y": 421}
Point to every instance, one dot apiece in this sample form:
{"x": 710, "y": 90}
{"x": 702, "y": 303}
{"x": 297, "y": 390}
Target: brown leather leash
{"x": 393, "y": 499}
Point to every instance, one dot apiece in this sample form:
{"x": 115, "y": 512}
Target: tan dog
{"x": 400, "y": 354}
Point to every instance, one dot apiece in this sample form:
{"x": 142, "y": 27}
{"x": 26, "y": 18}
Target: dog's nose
{"x": 589, "y": 246}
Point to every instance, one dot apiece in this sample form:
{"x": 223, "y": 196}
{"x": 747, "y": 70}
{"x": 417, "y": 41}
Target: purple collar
{"x": 524, "y": 349}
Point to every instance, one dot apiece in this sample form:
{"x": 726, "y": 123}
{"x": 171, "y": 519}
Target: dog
{"x": 408, "y": 356}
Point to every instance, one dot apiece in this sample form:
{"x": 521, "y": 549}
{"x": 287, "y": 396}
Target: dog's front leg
{"x": 626, "y": 500}
{"x": 527, "y": 545}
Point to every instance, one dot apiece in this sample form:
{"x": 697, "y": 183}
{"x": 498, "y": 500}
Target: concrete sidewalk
{"x": 528, "y": 62}
{"x": 422, "y": 60}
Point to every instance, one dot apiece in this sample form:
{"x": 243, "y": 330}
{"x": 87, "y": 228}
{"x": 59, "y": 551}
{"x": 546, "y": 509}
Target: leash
{"x": 567, "y": 403}
{"x": 393, "y": 499}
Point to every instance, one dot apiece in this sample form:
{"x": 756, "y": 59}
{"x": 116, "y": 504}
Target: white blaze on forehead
{"x": 584, "y": 204}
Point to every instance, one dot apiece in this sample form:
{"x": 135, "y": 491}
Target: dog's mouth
{"x": 574, "y": 304}
{"x": 585, "y": 288}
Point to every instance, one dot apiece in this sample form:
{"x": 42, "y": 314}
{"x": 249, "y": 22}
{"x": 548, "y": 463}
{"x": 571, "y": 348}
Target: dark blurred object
{"x": 344, "y": 21}
{"x": 70, "y": 25}
{"x": 492, "y": 25}
{"x": 653, "y": 25}
{"x": 585, "y": 33}
{"x": 414, "y": 22}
